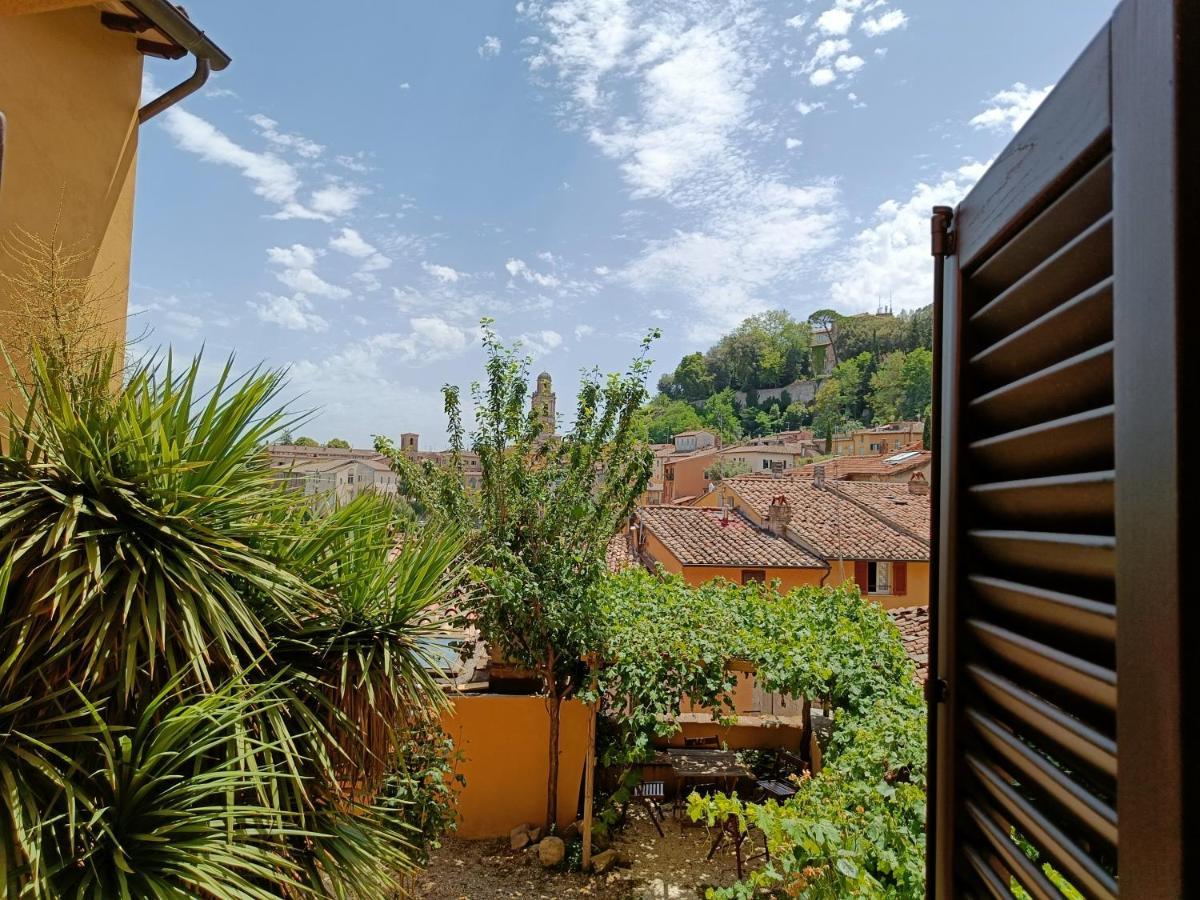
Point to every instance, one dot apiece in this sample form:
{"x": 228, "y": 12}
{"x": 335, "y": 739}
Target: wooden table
{"x": 724, "y": 765}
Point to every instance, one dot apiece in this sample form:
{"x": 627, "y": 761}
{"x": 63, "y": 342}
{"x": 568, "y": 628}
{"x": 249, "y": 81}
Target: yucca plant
{"x": 201, "y": 688}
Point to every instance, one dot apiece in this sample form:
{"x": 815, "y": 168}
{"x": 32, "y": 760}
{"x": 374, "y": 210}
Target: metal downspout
{"x": 177, "y": 93}
{"x": 173, "y": 22}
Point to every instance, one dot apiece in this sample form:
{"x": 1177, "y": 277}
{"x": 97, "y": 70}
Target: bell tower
{"x": 543, "y": 404}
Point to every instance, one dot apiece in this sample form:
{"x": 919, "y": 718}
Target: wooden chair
{"x": 778, "y": 785}
{"x": 651, "y": 794}
{"x": 731, "y": 828}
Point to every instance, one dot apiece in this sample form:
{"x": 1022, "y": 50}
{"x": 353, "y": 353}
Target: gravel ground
{"x": 666, "y": 868}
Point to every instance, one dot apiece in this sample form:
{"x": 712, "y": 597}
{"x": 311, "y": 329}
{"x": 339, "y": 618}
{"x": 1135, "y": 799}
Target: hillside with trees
{"x": 867, "y": 369}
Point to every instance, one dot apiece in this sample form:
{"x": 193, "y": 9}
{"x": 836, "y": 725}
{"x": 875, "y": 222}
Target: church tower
{"x": 543, "y": 404}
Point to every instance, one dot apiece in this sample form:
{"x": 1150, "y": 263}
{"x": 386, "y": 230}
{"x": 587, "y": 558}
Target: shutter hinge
{"x": 937, "y": 690}
{"x": 942, "y": 243}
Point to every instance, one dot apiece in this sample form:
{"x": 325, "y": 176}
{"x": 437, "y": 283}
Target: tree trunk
{"x": 553, "y": 707}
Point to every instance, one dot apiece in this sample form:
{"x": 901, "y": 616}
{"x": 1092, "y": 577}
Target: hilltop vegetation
{"x": 881, "y": 372}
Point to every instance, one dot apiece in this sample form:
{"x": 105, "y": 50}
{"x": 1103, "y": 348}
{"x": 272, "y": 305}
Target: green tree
{"x": 918, "y": 383}
{"x": 305, "y": 441}
{"x": 337, "y": 443}
{"x": 726, "y": 467}
{"x": 662, "y": 418}
{"x": 721, "y": 415}
{"x": 537, "y": 572}
{"x": 692, "y": 381}
{"x": 927, "y": 431}
{"x": 887, "y": 397}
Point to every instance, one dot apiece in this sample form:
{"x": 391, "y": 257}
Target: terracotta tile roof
{"x": 834, "y": 525}
{"x": 847, "y": 467}
{"x": 619, "y": 555}
{"x": 702, "y": 537}
{"x": 892, "y": 500}
{"x": 913, "y": 622}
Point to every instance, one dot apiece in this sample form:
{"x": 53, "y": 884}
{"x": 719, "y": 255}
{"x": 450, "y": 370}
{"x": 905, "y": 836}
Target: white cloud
{"x": 296, "y": 271}
{"x": 849, "y": 63}
{"x": 777, "y": 235}
{"x": 796, "y": 21}
{"x": 835, "y": 21}
{"x": 294, "y": 313}
{"x": 336, "y": 198}
{"x": 539, "y": 343}
{"x": 489, "y": 48}
{"x": 269, "y": 129}
{"x": 296, "y": 256}
{"x": 889, "y": 259}
{"x": 602, "y": 270}
{"x": 404, "y": 86}
{"x": 792, "y": 143}
{"x": 444, "y": 274}
{"x": 805, "y": 108}
{"x": 429, "y": 338}
{"x": 274, "y": 179}
{"x": 518, "y": 268}
{"x": 684, "y": 75}
{"x": 217, "y": 93}
{"x": 1011, "y": 108}
{"x": 889, "y": 21}
{"x": 582, "y": 331}
{"x": 822, "y": 77}
{"x": 351, "y": 243}
{"x": 828, "y": 49}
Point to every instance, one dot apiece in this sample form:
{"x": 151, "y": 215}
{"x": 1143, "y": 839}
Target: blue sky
{"x": 367, "y": 180}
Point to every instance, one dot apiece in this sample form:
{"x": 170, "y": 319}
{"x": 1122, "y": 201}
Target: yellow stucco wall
{"x": 504, "y": 743}
{"x": 698, "y": 575}
{"x": 688, "y": 480}
{"x": 69, "y": 89}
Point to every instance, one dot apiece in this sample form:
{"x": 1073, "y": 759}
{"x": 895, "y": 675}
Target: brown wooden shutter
{"x": 900, "y": 578}
{"x": 1057, "y": 491}
{"x": 860, "y": 575}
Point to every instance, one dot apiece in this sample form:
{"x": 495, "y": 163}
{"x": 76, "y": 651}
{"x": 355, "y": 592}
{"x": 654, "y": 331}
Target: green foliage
{"x": 304, "y": 441}
{"x": 772, "y": 349}
{"x": 543, "y": 517}
{"x": 338, "y": 444}
{"x": 855, "y": 828}
{"x": 726, "y": 467}
{"x": 662, "y": 418}
{"x": 203, "y": 686}
{"x": 423, "y": 787}
{"x": 721, "y": 415}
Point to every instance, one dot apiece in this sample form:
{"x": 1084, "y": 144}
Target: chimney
{"x": 779, "y": 513}
{"x": 917, "y": 484}
{"x": 818, "y": 476}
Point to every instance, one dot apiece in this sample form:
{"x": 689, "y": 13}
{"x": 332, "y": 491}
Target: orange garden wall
{"x": 503, "y": 741}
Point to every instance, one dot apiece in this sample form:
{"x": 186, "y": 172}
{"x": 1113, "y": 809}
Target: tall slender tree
{"x": 543, "y": 516}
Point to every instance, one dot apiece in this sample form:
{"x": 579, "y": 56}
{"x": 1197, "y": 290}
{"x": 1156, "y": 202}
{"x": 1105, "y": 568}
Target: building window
{"x": 766, "y": 464}
{"x": 349, "y": 478}
{"x": 751, "y": 576}
{"x": 879, "y": 578}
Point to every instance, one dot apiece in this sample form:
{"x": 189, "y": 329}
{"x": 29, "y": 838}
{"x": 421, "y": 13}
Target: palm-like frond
{"x": 369, "y": 659}
{"x": 171, "y": 809}
{"x": 127, "y": 525}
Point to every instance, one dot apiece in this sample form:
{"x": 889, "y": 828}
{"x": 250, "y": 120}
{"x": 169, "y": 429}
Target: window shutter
{"x": 1057, "y": 492}
{"x": 899, "y": 578}
{"x": 860, "y": 575}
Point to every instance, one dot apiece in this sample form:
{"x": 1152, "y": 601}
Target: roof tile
{"x": 705, "y": 537}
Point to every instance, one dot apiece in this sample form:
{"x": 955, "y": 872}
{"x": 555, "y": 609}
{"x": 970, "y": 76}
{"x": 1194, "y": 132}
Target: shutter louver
{"x": 1036, "y": 614}
{"x": 1064, "y": 297}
